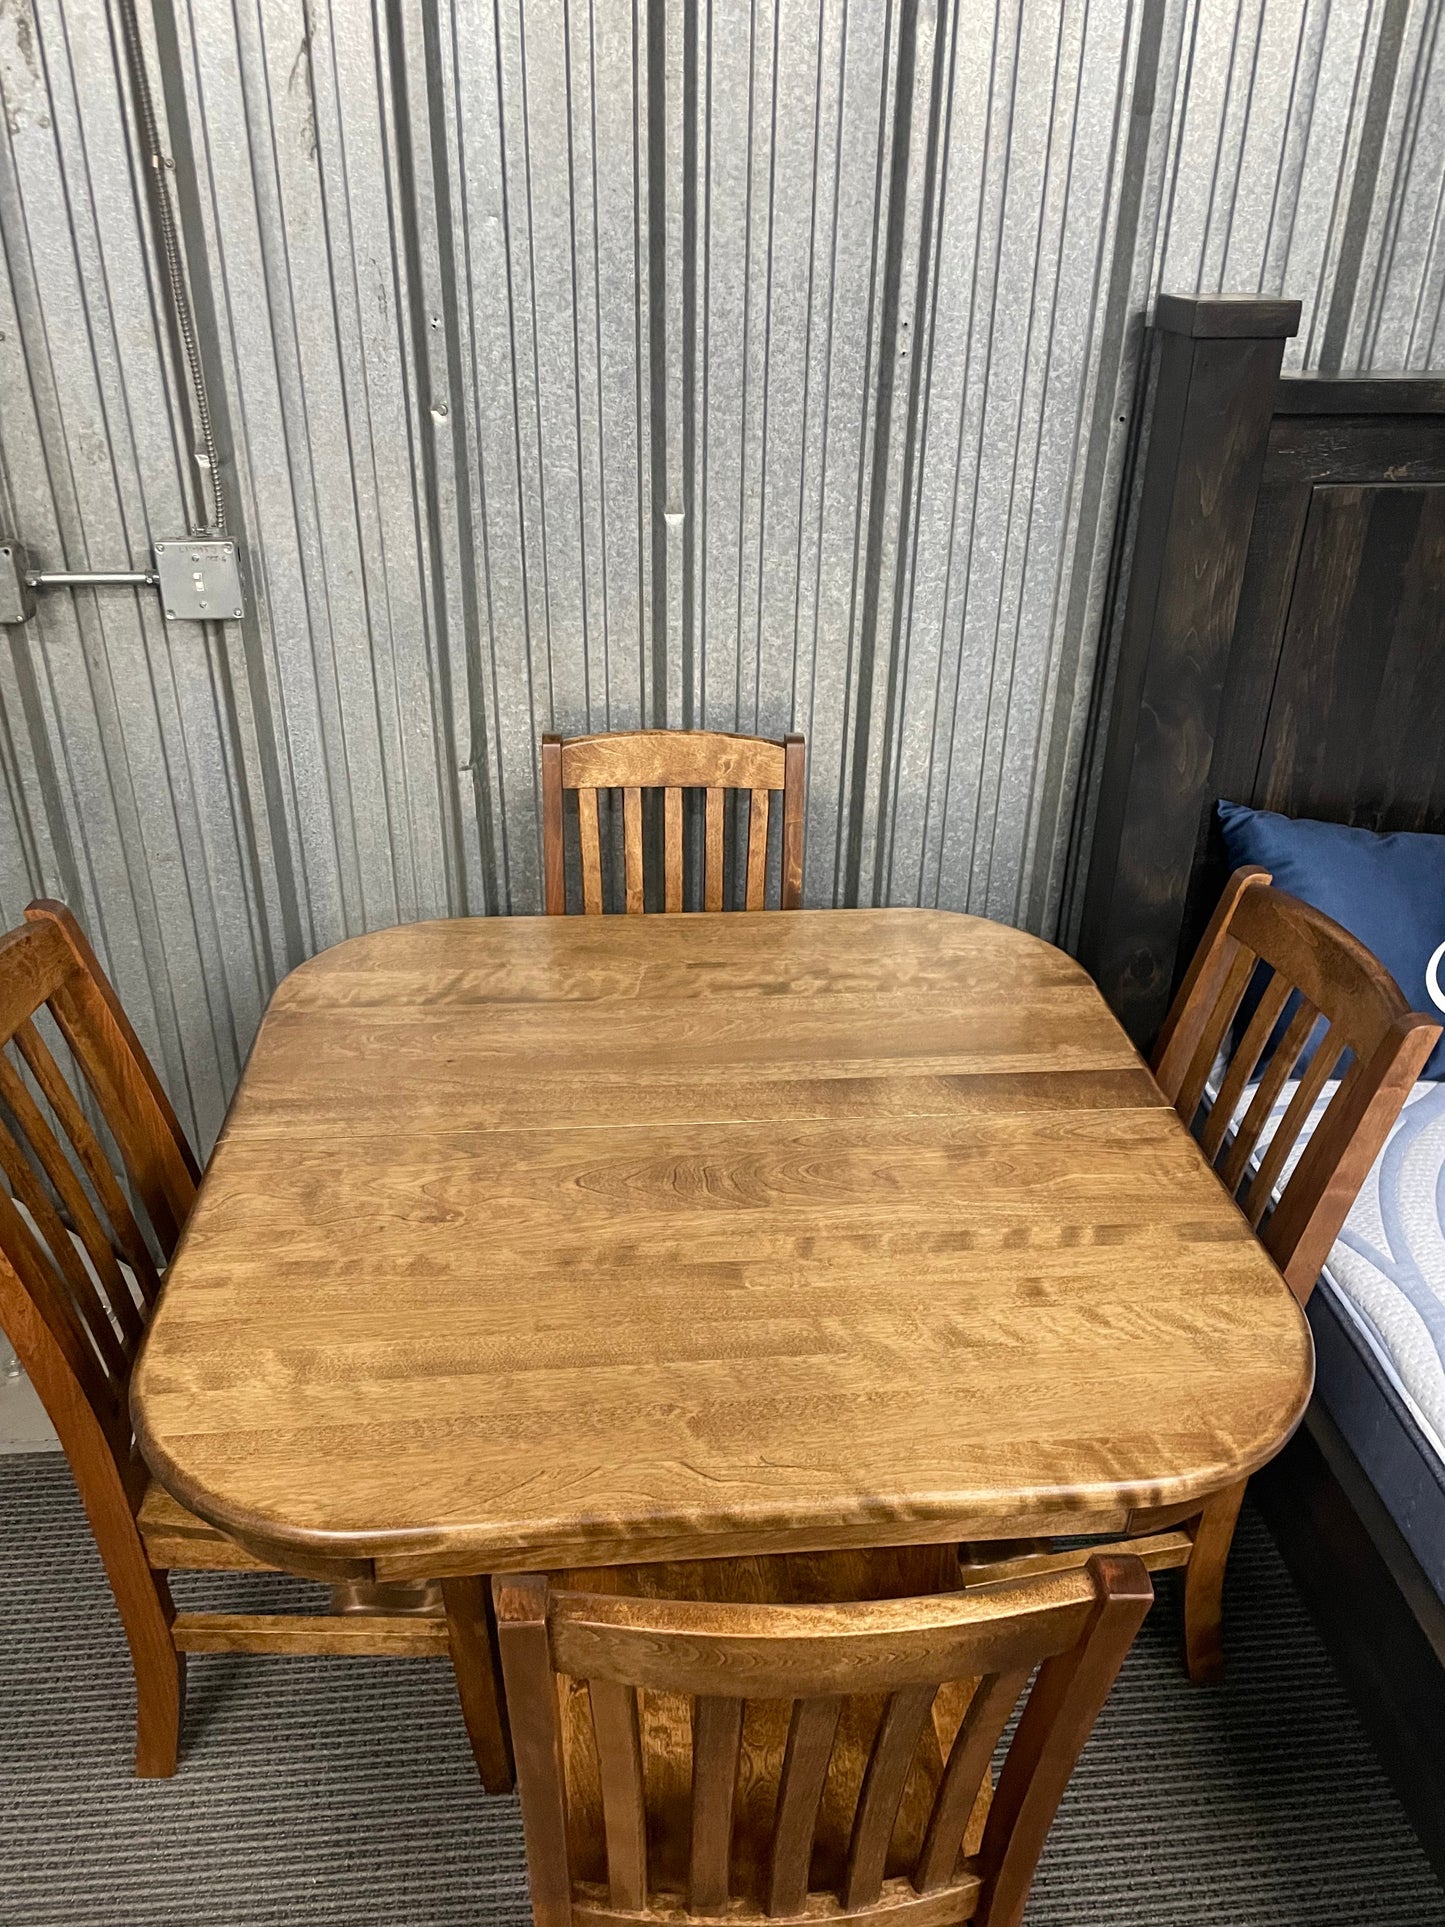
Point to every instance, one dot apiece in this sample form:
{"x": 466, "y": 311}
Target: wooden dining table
{"x": 559, "y": 1241}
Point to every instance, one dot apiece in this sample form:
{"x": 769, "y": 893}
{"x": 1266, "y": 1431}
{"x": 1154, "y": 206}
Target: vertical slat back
{"x": 1317, "y": 1074}
{"x": 632, "y": 848}
{"x": 672, "y": 850}
{"x": 729, "y": 1662}
{"x": 894, "y": 1747}
{"x": 717, "y": 1732}
{"x": 590, "y": 837}
{"x": 674, "y": 762}
{"x": 713, "y": 852}
{"x": 624, "y": 1810}
{"x": 32, "y": 1294}
{"x": 76, "y": 1257}
{"x": 1179, "y": 1034}
{"x": 1247, "y": 1054}
{"x": 968, "y": 1761}
{"x": 72, "y": 1276}
{"x": 1328, "y": 974}
{"x": 80, "y": 1214}
{"x": 91, "y": 1158}
{"x": 1277, "y": 1074}
{"x": 1241, "y": 968}
{"x": 757, "y": 875}
{"x": 811, "y": 1732}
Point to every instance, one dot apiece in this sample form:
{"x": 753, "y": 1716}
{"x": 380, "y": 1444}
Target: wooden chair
{"x": 688, "y": 1759}
{"x": 83, "y": 1247}
{"x": 672, "y": 760}
{"x": 1365, "y": 1033}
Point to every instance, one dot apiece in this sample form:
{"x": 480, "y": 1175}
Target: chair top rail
{"x": 672, "y": 759}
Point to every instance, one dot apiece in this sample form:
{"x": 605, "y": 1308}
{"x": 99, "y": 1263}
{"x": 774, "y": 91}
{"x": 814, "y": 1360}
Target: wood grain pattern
{"x": 1206, "y": 452}
{"x": 344, "y": 1636}
{"x": 674, "y": 762}
{"x": 812, "y": 1729}
{"x": 78, "y": 1279}
{"x": 868, "y": 1808}
{"x": 837, "y": 1229}
{"x": 717, "y": 1736}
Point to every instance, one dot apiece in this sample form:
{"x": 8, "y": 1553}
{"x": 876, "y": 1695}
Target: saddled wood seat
{"x": 811, "y": 1757}
{"x": 1334, "y": 1013}
{"x": 84, "y": 1244}
{"x": 177, "y": 1540}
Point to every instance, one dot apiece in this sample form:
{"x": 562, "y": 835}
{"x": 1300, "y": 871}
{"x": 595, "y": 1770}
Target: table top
{"x": 546, "y": 1241}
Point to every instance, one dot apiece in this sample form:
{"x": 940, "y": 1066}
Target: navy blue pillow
{"x": 1389, "y": 891}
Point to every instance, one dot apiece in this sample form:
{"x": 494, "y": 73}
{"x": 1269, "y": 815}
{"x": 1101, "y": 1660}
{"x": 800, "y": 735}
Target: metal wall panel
{"x": 584, "y": 363}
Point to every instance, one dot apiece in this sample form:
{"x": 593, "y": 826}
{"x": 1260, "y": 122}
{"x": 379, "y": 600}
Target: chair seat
{"x": 177, "y": 1541}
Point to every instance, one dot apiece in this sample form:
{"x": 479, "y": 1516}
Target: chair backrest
{"x": 83, "y": 1239}
{"x": 679, "y": 1695}
{"x": 1329, "y": 991}
{"x": 672, "y": 761}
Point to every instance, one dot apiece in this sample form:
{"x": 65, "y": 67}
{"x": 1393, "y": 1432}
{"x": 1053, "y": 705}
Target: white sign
{"x": 1432, "y": 979}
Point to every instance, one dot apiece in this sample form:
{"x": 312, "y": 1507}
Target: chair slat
{"x": 591, "y": 852}
{"x": 1276, "y": 1075}
{"x": 632, "y": 850}
{"x": 93, "y": 1161}
{"x": 758, "y": 850}
{"x": 712, "y": 869}
{"x": 88, "y": 1304}
{"x": 1236, "y": 981}
{"x": 61, "y": 1173}
{"x": 811, "y": 1732}
{"x": 624, "y": 1812}
{"x": 897, "y": 1741}
{"x": 1316, "y": 1075}
{"x": 1241, "y": 1065}
{"x": 717, "y": 1732}
{"x": 672, "y": 850}
{"x": 45, "y": 1300}
{"x": 968, "y": 1761}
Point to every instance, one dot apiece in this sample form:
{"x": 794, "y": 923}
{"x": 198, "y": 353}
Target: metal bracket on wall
{"x": 199, "y": 578}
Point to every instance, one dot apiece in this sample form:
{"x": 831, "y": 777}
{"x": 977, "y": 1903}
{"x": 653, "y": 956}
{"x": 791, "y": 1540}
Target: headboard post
{"x": 1219, "y": 359}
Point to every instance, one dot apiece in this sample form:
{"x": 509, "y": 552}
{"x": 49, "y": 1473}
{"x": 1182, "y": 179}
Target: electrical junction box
{"x": 200, "y": 579}
{"x": 17, "y": 598}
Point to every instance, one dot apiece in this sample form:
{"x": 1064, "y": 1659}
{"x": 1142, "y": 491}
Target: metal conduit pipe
{"x": 207, "y": 454}
{"x": 93, "y": 578}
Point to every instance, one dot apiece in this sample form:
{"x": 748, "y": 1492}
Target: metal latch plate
{"x": 200, "y": 580}
{"x": 17, "y": 598}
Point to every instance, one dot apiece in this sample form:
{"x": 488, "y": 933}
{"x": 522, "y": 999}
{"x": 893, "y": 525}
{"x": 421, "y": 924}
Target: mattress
{"x": 1378, "y": 1316}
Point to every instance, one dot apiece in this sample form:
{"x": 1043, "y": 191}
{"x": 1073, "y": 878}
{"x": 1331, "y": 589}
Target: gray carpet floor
{"x": 343, "y": 1792}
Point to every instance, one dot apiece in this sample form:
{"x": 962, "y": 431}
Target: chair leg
{"x": 475, "y": 1659}
{"x": 1204, "y": 1585}
{"x": 160, "y": 1675}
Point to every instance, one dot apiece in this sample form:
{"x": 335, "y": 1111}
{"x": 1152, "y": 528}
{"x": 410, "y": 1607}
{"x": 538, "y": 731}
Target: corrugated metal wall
{"x": 581, "y": 363}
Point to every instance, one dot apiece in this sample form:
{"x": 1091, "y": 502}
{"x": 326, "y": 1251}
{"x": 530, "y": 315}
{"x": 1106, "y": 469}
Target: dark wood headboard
{"x": 1282, "y": 640}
